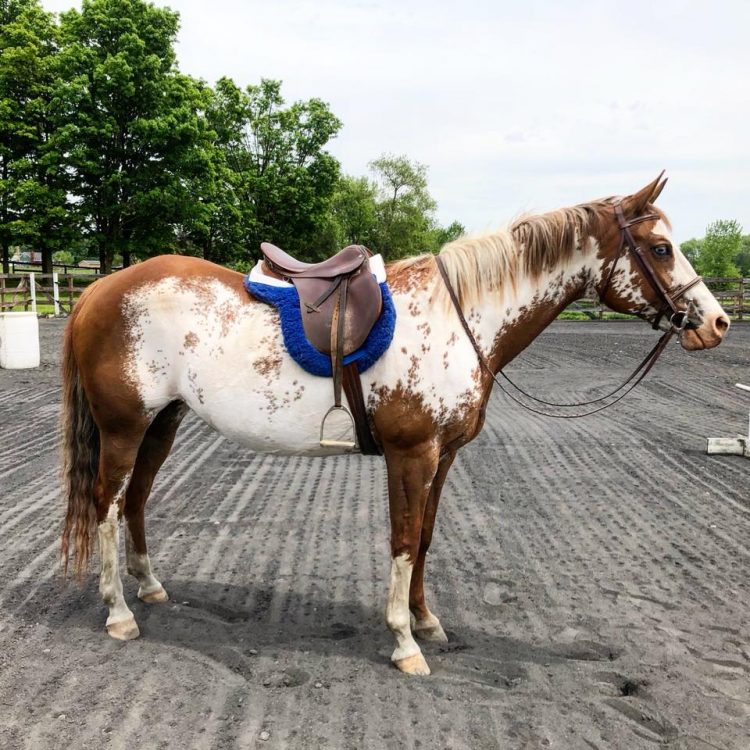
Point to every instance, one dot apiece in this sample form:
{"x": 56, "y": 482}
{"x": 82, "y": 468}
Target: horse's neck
{"x": 512, "y": 318}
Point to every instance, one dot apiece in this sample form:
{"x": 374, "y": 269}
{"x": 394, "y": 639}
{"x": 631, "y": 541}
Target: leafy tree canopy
{"x": 105, "y": 147}
{"x": 405, "y": 208}
{"x": 719, "y": 248}
{"x": 33, "y": 201}
{"x": 130, "y": 124}
{"x": 692, "y": 250}
{"x": 280, "y": 168}
{"x": 394, "y": 214}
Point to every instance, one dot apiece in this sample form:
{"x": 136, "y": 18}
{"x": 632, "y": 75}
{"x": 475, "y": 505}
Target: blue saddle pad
{"x": 286, "y": 301}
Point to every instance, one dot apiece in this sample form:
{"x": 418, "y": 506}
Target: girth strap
{"x": 353, "y": 390}
{"x": 348, "y": 377}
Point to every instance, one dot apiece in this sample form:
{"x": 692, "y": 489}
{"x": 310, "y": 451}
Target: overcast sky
{"x": 514, "y": 106}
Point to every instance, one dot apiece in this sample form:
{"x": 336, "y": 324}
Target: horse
{"x": 174, "y": 333}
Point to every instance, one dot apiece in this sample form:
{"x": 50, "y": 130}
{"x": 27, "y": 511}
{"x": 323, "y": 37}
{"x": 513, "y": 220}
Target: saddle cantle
{"x": 340, "y": 302}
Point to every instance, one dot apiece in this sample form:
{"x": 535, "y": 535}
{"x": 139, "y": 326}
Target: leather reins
{"x": 678, "y": 320}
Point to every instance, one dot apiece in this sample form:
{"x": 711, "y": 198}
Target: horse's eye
{"x": 661, "y": 251}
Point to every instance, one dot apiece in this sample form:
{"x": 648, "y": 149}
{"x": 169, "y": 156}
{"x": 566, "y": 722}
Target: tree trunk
{"x": 47, "y": 260}
{"x": 126, "y": 236}
{"x": 104, "y": 266}
{"x": 6, "y": 258}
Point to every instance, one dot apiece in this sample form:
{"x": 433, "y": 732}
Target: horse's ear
{"x": 659, "y": 188}
{"x": 634, "y": 205}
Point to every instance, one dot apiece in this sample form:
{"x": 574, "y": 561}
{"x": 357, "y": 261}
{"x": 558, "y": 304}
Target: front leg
{"x": 410, "y": 476}
{"x": 427, "y": 627}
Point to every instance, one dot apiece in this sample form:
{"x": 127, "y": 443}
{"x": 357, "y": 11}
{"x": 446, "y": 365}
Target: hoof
{"x": 125, "y": 630}
{"x": 413, "y": 665}
{"x": 432, "y": 633}
{"x": 160, "y": 595}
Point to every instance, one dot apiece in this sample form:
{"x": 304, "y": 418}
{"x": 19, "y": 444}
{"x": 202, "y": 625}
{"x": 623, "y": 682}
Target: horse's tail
{"x": 80, "y": 460}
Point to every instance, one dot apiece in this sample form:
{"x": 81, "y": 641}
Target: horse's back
{"x": 111, "y": 289}
{"x": 104, "y": 303}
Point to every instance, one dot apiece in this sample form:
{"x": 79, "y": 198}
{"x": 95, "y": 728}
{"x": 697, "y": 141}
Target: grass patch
{"x": 41, "y": 308}
{"x": 580, "y": 315}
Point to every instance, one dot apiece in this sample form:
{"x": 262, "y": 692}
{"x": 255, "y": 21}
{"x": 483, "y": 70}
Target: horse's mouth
{"x": 695, "y": 338}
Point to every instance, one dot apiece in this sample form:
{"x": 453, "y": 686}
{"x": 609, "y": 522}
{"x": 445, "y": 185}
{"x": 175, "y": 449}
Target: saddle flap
{"x": 363, "y": 307}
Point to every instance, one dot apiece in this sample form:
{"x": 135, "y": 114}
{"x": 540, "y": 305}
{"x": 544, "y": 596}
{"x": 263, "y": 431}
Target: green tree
{"x": 442, "y": 235}
{"x": 692, "y": 250}
{"x": 283, "y": 174}
{"x": 354, "y": 209}
{"x": 405, "y": 209}
{"x": 217, "y": 227}
{"x": 131, "y": 125}
{"x": 33, "y": 199}
{"x": 742, "y": 259}
{"x": 720, "y": 247}
{"x": 405, "y": 222}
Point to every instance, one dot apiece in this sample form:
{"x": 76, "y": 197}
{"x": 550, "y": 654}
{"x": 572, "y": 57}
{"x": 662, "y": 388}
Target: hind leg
{"x": 116, "y": 460}
{"x": 152, "y": 453}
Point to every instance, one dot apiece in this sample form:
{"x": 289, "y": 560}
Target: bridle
{"x": 679, "y": 321}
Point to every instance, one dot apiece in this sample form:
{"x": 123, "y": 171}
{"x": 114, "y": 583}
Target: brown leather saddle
{"x": 340, "y": 302}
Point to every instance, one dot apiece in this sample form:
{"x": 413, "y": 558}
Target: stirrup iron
{"x": 349, "y": 445}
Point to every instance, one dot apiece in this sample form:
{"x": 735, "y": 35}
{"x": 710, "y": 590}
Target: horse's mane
{"x": 529, "y": 246}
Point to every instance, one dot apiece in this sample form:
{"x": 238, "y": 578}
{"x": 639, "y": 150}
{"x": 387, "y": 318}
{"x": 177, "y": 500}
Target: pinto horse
{"x": 145, "y": 345}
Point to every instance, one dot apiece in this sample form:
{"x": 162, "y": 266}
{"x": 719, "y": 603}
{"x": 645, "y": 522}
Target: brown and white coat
{"x": 174, "y": 333}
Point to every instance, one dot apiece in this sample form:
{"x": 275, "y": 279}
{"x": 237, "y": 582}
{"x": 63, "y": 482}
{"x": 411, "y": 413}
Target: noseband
{"x": 678, "y": 322}
{"x": 678, "y": 319}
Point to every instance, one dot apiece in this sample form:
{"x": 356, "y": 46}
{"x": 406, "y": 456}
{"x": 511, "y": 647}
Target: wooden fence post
{"x": 741, "y": 300}
{"x": 32, "y": 289}
{"x": 55, "y": 293}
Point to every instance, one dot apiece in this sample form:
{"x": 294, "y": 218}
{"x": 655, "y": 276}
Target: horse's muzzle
{"x": 707, "y": 334}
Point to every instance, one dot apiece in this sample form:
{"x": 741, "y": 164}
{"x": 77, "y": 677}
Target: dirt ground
{"x": 592, "y": 576}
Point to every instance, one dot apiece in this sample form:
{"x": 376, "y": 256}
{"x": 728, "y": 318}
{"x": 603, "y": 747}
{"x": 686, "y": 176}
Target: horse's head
{"x": 645, "y": 273}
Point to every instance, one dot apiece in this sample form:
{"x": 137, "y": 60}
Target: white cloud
{"x": 513, "y": 106}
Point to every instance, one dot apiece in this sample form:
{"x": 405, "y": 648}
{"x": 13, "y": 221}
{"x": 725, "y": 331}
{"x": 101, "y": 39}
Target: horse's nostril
{"x": 721, "y": 324}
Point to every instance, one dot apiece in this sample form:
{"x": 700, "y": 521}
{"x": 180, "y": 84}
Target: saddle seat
{"x": 345, "y": 261}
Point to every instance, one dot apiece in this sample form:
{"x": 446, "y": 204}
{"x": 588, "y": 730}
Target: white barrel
{"x": 19, "y": 340}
